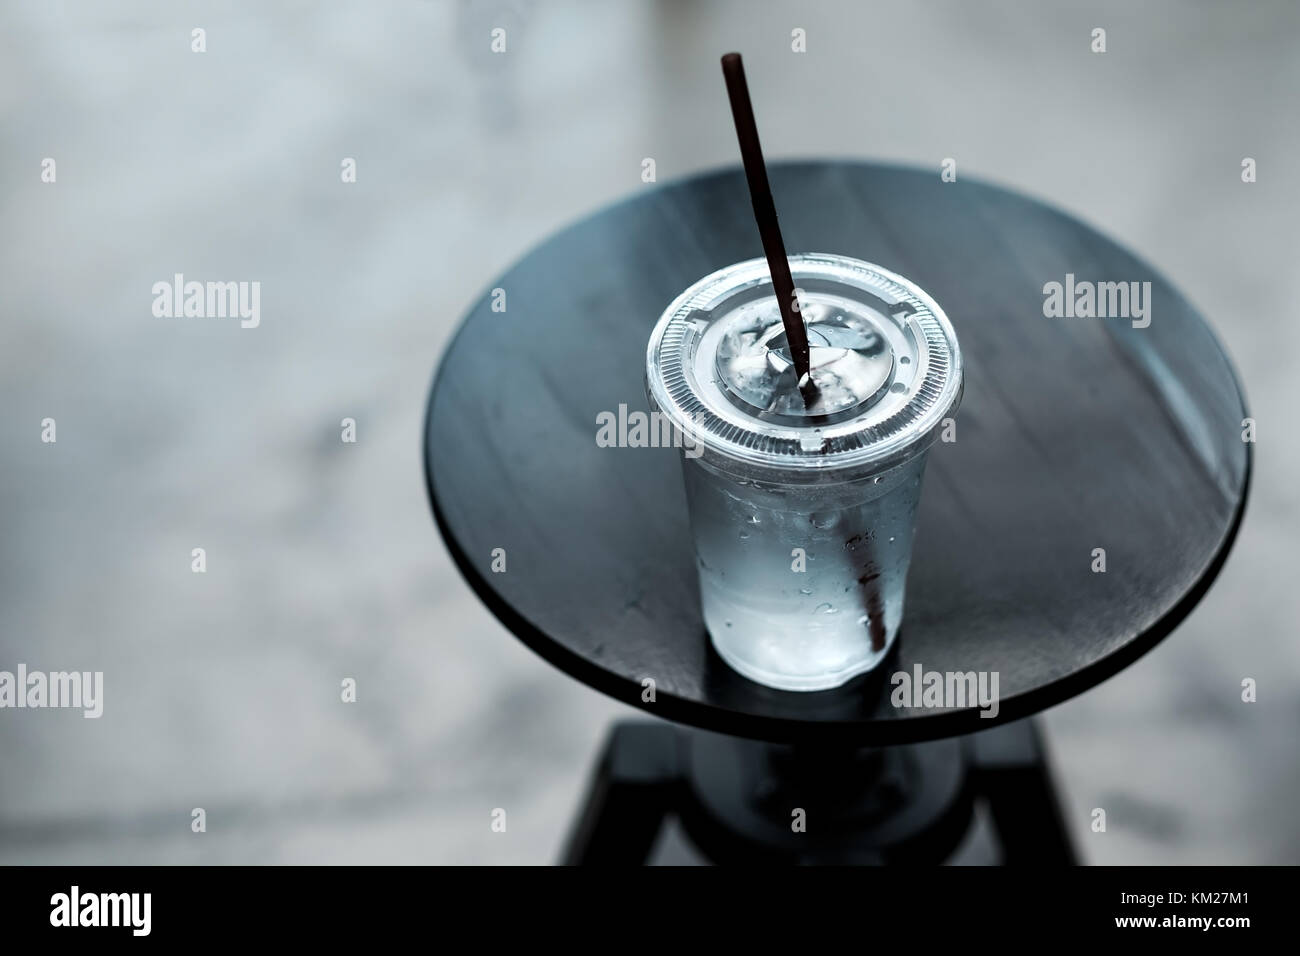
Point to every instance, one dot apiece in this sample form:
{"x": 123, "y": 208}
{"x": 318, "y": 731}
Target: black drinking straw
{"x": 760, "y": 194}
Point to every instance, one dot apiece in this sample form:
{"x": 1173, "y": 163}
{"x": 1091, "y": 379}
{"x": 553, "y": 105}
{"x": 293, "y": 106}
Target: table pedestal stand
{"x": 746, "y": 801}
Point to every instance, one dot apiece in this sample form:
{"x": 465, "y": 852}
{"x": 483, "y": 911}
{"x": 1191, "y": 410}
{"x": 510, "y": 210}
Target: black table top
{"x": 1074, "y": 434}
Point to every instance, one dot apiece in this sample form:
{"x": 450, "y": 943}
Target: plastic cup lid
{"x": 885, "y": 367}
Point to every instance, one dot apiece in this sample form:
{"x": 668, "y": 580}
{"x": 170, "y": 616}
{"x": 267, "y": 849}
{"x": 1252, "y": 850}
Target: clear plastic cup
{"x": 803, "y": 508}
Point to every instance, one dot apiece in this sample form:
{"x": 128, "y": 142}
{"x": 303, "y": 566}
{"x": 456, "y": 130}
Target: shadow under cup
{"x": 803, "y": 504}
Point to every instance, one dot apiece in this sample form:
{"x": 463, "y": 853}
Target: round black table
{"x": 1082, "y": 443}
{"x": 1075, "y": 434}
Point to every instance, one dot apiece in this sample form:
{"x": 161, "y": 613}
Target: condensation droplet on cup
{"x": 824, "y": 520}
{"x": 825, "y": 609}
{"x": 805, "y": 590}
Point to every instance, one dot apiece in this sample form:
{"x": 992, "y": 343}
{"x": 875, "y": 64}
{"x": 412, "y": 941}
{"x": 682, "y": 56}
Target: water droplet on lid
{"x": 805, "y": 590}
{"x": 898, "y": 387}
{"x": 728, "y": 623}
{"x": 824, "y": 609}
